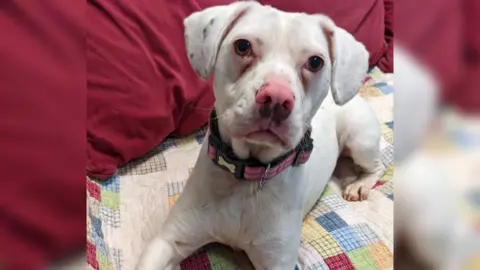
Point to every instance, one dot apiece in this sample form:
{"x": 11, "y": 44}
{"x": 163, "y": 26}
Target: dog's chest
{"x": 253, "y": 214}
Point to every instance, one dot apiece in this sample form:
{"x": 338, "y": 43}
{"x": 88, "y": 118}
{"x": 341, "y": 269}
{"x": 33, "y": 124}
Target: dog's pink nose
{"x": 275, "y": 100}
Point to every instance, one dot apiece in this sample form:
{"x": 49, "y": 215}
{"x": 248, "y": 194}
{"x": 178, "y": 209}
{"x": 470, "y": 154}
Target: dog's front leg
{"x": 159, "y": 254}
{"x": 366, "y": 154}
{"x": 284, "y": 258}
{"x": 178, "y": 239}
{"x": 278, "y": 248}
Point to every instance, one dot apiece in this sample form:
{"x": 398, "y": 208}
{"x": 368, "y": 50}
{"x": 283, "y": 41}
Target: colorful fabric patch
{"x": 365, "y": 234}
{"x": 387, "y": 155}
{"x": 110, "y": 199}
{"x": 93, "y": 190}
{"x": 92, "y": 255}
{"x": 199, "y": 260}
{"x": 312, "y": 230}
{"x": 387, "y": 133}
{"x": 362, "y": 259}
{"x": 384, "y": 88}
{"x": 331, "y": 221}
{"x": 153, "y": 161}
{"x": 200, "y": 138}
{"x": 347, "y": 238}
{"x": 326, "y": 246}
{"x": 387, "y": 188}
{"x": 334, "y": 202}
{"x": 381, "y": 255}
{"x": 388, "y": 174}
{"x": 328, "y": 191}
{"x": 168, "y": 144}
{"x": 174, "y": 190}
{"x": 370, "y": 92}
{"x": 221, "y": 257}
{"x": 319, "y": 210}
{"x": 110, "y": 216}
{"x": 389, "y": 124}
{"x": 340, "y": 261}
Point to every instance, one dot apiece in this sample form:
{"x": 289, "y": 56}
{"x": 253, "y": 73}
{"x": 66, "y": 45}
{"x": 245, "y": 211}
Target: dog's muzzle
{"x": 252, "y": 169}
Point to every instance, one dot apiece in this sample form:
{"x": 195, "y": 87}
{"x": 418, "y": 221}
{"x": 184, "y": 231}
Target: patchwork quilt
{"x": 124, "y": 211}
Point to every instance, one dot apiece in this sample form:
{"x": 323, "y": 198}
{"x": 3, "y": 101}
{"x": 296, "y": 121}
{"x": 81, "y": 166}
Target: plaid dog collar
{"x": 252, "y": 169}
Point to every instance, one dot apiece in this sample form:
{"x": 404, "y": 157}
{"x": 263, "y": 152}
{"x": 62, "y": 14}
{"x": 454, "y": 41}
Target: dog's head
{"x": 272, "y": 71}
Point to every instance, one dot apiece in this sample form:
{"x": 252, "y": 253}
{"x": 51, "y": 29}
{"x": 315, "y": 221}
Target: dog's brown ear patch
{"x": 331, "y": 46}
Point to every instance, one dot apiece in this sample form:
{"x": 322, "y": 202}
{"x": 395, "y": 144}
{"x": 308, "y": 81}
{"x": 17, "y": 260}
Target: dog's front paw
{"x": 356, "y": 191}
{"x": 159, "y": 254}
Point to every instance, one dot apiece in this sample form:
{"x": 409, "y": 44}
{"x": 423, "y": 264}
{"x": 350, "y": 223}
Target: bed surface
{"x": 126, "y": 209}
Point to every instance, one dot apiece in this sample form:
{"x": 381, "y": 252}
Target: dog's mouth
{"x": 266, "y": 137}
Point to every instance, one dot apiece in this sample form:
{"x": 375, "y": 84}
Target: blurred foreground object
{"x": 437, "y": 210}
{"x": 437, "y": 135}
{"x": 42, "y": 131}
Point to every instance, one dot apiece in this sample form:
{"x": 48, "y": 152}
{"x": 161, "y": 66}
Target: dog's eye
{"x": 314, "y": 63}
{"x": 242, "y": 47}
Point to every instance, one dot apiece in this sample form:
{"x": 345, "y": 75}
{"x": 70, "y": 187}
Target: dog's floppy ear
{"x": 205, "y": 31}
{"x": 349, "y": 60}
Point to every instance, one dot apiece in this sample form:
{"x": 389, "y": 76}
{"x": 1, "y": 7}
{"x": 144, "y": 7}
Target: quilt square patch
{"x": 221, "y": 257}
{"x": 361, "y": 259}
{"x": 318, "y": 266}
{"x": 168, "y": 144}
{"x": 117, "y": 257}
{"x": 386, "y": 155}
{"x": 319, "y": 209}
{"x": 340, "y": 261}
{"x": 93, "y": 189}
{"x": 89, "y": 229}
{"x": 387, "y": 133}
{"x": 387, "y": 188}
{"x": 92, "y": 255}
{"x": 388, "y": 173}
{"x": 199, "y": 261}
{"x": 111, "y": 184}
{"x": 110, "y": 199}
{"x": 385, "y": 88}
{"x": 103, "y": 261}
{"x": 109, "y": 216}
{"x": 365, "y": 234}
{"x": 334, "y": 202}
{"x": 347, "y": 238}
{"x": 326, "y": 246}
{"x": 312, "y": 230}
{"x": 175, "y": 188}
{"x": 309, "y": 258}
{"x": 381, "y": 255}
{"x": 331, "y": 221}
{"x": 370, "y": 92}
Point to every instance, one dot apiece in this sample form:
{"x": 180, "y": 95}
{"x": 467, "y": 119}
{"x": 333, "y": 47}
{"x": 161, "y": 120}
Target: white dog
{"x": 252, "y": 184}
